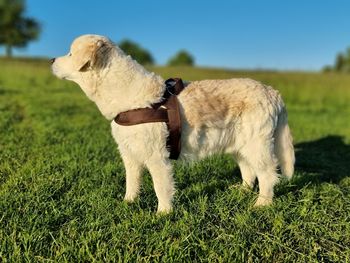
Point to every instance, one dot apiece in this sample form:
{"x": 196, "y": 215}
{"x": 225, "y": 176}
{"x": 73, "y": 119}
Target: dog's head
{"x": 87, "y": 53}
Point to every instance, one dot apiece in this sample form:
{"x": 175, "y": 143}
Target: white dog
{"x": 241, "y": 117}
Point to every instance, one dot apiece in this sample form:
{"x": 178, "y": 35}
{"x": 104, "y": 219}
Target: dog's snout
{"x": 52, "y": 60}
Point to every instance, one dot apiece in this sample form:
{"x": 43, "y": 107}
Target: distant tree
{"x": 340, "y": 62}
{"x": 16, "y": 30}
{"x": 182, "y": 58}
{"x": 327, "y": 69}
{"x": 138, "y": 53}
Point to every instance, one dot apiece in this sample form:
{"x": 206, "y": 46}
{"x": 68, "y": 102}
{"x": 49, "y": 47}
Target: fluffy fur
{"x": 241, "y": 117}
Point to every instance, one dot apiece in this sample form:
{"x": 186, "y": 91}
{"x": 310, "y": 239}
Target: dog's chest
{"x": 140, "y": 140}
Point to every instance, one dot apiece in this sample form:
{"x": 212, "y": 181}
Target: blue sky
{"x": 274, "y": 34}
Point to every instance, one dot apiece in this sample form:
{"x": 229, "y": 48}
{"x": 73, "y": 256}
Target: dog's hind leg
{"x": 267, "y": 180}
{"x": 133, "y": 171}
{"x": 248, "y": 174}
{"x": 161, "y": 171}
{"x": 261, "y": 158}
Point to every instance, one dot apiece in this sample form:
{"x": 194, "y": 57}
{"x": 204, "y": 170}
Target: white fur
{"x": 241, "y": 117}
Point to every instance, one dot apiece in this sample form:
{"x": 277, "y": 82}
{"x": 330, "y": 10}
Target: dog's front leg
{"x": 133, "y": 171}
{"x": 162, "y": 175}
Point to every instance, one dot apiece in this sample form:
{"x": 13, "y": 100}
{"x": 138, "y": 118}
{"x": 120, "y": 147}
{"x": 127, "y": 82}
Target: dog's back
{"x": 222, "y": 115}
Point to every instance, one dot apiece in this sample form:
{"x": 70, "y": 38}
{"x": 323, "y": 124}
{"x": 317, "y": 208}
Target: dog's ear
{"x": 94, "y": 55}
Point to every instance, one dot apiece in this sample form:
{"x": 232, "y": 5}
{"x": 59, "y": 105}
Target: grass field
{"x": 62, "y": 181}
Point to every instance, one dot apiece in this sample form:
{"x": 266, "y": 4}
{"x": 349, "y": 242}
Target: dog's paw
{"x": 262, "y": 201}
{"x": 129, "y": 199}
{"x": 164, "y": 210}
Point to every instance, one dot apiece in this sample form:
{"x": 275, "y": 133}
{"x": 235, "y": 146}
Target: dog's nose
{"x": 52, "y": 60}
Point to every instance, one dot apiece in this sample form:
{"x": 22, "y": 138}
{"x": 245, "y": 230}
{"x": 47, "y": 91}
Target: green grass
{"x": 62, "y": 181}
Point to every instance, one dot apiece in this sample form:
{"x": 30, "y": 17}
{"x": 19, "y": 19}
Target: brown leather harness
{"x": 167, "y": 111}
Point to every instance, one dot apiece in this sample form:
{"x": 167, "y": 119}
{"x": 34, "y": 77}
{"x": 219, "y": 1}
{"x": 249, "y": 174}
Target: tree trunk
{"x": 8, "y": 51}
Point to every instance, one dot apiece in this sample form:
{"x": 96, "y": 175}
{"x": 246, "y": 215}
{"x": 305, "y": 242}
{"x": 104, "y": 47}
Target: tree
{"x": 182, "y": 58}
{"x": 327, "y": 69}
{"x": 136, "y": 52}
{"x": 341, "y": 64}
{"x": 16, "y": 30}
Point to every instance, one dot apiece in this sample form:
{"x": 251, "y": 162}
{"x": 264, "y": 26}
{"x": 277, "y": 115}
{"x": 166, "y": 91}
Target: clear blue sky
{"x": 275, "y": 34}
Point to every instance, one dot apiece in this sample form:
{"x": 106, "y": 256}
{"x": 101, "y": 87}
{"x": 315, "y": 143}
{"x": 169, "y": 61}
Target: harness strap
{"x": 167, "y": 111}
{"x": 144, "y": 115}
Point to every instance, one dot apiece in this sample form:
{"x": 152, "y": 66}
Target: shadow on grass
{"x": 323, "y": 160}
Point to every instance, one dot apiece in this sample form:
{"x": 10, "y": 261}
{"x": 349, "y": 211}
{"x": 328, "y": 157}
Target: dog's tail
{"x": 284, "y": 149}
